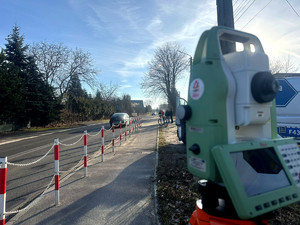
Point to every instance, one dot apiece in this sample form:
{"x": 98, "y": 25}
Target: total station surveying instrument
{"x": 231, "y": 135}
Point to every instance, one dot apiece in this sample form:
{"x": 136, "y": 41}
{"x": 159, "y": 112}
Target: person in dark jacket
{"x": 168, "y": 115}
{"x": 171, "y": 114}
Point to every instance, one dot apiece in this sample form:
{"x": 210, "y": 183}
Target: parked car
{"x": 118, "y": 118}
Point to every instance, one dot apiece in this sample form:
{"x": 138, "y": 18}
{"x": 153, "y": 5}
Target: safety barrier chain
{"x": 94, "y": 135}
{"x": 67, "y": 145}
{"x": 34, "y": 202}
{"x": 109, "y": 128}
{"x": 130, "y": 128}
{"x": 72, "y": 168}
{"x": 31, "y": 163}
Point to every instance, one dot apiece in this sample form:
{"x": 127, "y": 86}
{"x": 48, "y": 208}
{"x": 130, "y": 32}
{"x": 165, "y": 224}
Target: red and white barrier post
{"x": 129, "y": 128}
{"x": 102, "y": 147}
{"x": 125, "y": 129}
{"x": 85, "y": 152}
{"x": 133, "y": 125}
{"x": 3, "y": 173}
{"x": 113, "y": 138}
{"x": 120, "y": 133}
{"x": 56, "y": 170}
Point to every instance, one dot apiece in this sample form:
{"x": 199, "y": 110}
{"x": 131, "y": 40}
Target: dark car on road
{"x": 118, "y": 118}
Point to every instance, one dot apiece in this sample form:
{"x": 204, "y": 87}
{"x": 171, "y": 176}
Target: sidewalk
{"x": 116, "y": 191}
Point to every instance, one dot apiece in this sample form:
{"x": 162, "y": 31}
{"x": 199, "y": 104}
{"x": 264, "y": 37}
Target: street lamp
{"x": 191, "y": 59}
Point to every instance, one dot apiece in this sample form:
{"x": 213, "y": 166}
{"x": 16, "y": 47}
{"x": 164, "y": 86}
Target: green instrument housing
{"x": 262, "y": 192}
{"x": 213, "y": 120}
{"x": 226, "y": 126}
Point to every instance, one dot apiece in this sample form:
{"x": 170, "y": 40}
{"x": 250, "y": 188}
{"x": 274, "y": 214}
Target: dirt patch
{"x": 289, "y": 215}
{"x": 177, "y": 188}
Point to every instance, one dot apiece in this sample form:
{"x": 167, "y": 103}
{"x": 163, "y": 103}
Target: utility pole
{"x": 225, "y": 13}
{"x": 225, "y": 18}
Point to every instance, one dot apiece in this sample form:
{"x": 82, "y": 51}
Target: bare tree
{"x": 107, "y": 92}
{"x": 164, "y": 71}
{"x": 148, "y": 102}
{"x": 283, "y": 65}
{"x": 50, "y": 59}
{"x": 79, "y": 64}
{"x": 59, "y": 64}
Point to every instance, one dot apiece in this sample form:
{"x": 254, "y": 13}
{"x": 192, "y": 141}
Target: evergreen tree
{"x": 98, "y": 95}
{"x": 40, "y": 105}
{"x": 15, "y": 49}
{"x": 126, "y": 104}
{"x": 74, "y": 93}
{"x": 10, "y": 89}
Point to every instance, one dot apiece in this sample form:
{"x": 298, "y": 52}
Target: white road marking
{"x": 16, "y": 140}
{"x": 26, "y": 138}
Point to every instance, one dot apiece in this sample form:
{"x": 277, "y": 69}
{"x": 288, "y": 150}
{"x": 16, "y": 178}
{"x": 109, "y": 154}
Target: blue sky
{"x": 122, "y": 35}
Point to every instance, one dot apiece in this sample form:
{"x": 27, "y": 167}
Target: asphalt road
{"x": 117, "y": 191}
{"x": 24, "y": 183}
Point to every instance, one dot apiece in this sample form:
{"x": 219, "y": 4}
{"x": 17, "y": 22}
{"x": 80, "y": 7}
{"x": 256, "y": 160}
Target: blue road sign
{"x": 288, "y": 131}
{"x": 285, "y": 94}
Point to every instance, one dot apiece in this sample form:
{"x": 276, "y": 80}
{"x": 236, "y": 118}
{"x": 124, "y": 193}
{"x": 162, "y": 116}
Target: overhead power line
{"x": 292, "y": 8}
{"x": 240, "y": 7}
{"x": 235, "y": 2}
{"x": 256, "y": 14}
{"x": 245, "y": 10}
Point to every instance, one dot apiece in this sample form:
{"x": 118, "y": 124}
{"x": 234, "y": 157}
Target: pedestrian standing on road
{"x": 167, "y": 115}
{"x": 161, "y": 115}
{"x": 171, "y": 115}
